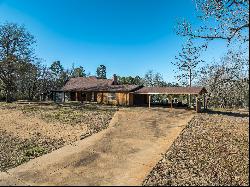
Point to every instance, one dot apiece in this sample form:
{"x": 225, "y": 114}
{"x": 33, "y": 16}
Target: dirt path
{"x": 123, "y": 154}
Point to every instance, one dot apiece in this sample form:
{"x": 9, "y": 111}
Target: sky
{"x": 129, "y": 37}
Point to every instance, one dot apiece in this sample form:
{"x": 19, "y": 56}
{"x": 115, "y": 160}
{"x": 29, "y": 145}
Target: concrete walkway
{"x": 123, "y": 154}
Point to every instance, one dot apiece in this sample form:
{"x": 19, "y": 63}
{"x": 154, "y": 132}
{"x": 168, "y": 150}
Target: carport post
{"x": 149, "y": 100}
{"x": 204, "y": 101}
{"x": 126, "y": 103}
{"x": 197, "y": 108}
{"x": 171, "y": 99}
{"x": 76, "y": 96}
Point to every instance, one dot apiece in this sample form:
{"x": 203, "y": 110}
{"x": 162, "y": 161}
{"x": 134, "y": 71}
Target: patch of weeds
{"x": 6, "y": 106}
{"x": 33, "y": 152}
{"x": 29, "y": 152}
{"x": 15, "y": 151}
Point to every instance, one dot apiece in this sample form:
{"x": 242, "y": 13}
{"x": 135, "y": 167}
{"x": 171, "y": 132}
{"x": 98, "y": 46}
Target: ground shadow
{"x": 227, "y": 113}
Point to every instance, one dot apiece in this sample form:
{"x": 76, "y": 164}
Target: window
{"x": 111, "y": 96}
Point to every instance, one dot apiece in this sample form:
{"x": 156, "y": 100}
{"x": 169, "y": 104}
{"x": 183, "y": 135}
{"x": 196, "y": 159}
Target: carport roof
{"x": 171, "y": 90}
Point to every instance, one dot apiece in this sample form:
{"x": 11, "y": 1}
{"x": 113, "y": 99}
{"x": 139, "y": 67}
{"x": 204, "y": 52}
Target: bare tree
{"x": 227, "y": 81}
{"x": 187, "y": 61}
{"x": 222, "y": 19}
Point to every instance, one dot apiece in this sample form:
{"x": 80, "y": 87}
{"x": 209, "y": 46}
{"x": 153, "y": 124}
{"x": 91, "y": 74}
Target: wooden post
{"x": 171, "y": 100}
{"x": 76, "y": 97}
{"x": 196, "y": 103}
{"x": 189, "y": 101}
{"x": 92, "y": 96}
{"x": 64, "y": 97}
{"x": 149, "y": 100}
{"x": 126, "y": 102}
{"x": 54, "y": 96}
{"x": 204, "y": 101}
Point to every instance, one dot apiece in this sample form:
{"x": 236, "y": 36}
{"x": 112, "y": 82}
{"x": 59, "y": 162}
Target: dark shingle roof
{"x": 171, "y": 90}
{"x": 83, "y": 83}
{"x": 95, "y": 84}
{"x": 116, "y": 88}
{"x": 102, "y": 85}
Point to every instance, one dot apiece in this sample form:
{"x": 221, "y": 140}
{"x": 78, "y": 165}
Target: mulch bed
{"x": 212, "y": 150}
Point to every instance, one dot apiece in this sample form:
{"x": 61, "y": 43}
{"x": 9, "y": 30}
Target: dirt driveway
{"x": 123, "y": 154}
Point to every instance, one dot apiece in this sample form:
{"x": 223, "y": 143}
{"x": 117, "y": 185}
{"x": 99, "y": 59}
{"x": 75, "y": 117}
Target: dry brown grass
{"x": 31, "y": 130}
{"x": 212, "y": 150}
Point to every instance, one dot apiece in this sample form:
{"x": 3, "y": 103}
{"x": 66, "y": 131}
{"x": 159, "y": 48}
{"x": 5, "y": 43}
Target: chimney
{"x": 115, "y": 82}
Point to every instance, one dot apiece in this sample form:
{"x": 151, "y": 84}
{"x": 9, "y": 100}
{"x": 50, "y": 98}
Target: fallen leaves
{"x": 212, "y": 150}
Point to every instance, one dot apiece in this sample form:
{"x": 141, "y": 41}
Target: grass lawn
{"x": 31, "y": 130}
{"x": 212, "y": 150}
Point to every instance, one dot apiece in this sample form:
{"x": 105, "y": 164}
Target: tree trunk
{"x": 190, "y": 84}
{"x": 9, "y": 96}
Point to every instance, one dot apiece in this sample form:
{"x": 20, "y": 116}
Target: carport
{"x": 144, "y": 94}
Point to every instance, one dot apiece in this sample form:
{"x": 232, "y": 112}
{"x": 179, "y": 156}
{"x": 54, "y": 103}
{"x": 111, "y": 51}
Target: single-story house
{"x": 109, "y": 91}
{"x": 106, "y": 91}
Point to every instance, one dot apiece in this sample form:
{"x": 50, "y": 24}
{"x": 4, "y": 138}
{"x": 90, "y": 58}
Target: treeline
{"x": 150, "y": 78}
{"x": 24, "y": 77}
{"x": 30, "y": 80}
